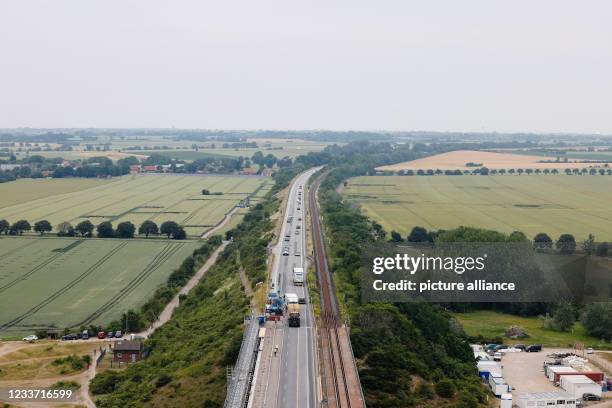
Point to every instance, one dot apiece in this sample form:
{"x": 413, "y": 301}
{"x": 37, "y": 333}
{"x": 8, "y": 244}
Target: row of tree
{"x": 485, "y": 171}
{"x": 565, "y": 244}
{"x": 105, "y": 229}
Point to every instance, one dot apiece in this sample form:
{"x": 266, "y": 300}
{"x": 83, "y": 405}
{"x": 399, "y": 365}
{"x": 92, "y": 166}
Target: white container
{"x": 506, "y": 401}
{"x": 498, "y": 386}
{"x": 578, "y": 385}
{"x": 558, "y": 369}
{"x": 546, "y": 399}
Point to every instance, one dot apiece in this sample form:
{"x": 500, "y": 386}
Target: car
{"x": 491, "y": 346}
{"x": 590, "y": 397}
{"x": 533, "y": 348}
{"x": 299, "y": 208}
{"x": 297, "y": 253}
{"x": 500, "y": 347}
{"x": 301, "y": 300}
{"x": 497, "y": 356}
{"x": 286, "y": 251}
{"x": 31, "y": 338}
{"x": 101, "y": 335}
{"x": 110, "y": 334}
{"x": 520, "y": 346}
{"x": 118, "y": 334}
{"x": 300, "y": 219}
{"x": 70, "y": 336}
{"x": 590, "y": 350}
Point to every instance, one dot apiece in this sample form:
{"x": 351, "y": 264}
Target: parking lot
{"x": 524, "y": 372}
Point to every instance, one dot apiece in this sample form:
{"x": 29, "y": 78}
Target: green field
{"x": 67, "y": 282}
{"x": 134, "y": 198}
{"x": 493, "y": 324}
{"x": 553, "y": 204}
{"x": 25, "y": 190}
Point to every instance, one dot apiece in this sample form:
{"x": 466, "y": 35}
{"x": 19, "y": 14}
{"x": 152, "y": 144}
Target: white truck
{"x": 298, "y": 276}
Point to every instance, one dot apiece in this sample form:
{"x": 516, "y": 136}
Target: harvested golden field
{"x": 459, "y": 159}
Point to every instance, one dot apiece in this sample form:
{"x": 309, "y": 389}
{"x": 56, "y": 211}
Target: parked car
{"x": 590, "y": 350}
{"x": 500, "y": 347}
{"x": 590, "y": 397}
{"x": 491, "y": 346}
{"x": 70, "y": 336}
{"x": 31, "y": 338}
{"x": 85, "y": 335}
{"x": 118, "y": 334}
{"x": 101, "y": 335}
{"x": 520, "y": 346}
{"x": 533, "y": 348}
{"x": 497, "y": 356}
{"x": 110, "y": 334}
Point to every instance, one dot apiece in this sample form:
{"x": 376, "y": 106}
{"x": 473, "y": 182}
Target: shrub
{"x": 445, "y": 388}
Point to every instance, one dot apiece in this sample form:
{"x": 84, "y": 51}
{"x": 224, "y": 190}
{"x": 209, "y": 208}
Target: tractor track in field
{"x": 65, "y": 288}
{"x": 159, "y": 259}
{"x": 12, "y": 251}
{"x": 30, "y": 272}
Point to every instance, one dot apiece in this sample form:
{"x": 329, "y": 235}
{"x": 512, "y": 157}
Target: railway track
{"x": 341, "y": 385}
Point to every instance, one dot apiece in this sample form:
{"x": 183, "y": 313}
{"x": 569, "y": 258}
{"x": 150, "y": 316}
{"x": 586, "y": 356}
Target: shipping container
{"x": 498, "y": 385}
{"x": 578, "y": 385}
{"x": 552, "y": 369}
{"x": 595, "y": 376}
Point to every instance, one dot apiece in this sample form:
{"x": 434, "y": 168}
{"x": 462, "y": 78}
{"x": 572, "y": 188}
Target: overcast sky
{"x": 470, "y": 65}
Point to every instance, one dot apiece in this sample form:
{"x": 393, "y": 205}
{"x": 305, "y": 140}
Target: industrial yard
{"x": 564, "y": 376}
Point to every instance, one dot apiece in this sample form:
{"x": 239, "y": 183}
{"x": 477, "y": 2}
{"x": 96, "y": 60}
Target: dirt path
{"x": 225, "y": 220}
{"x": 166, "y": 314}
{"x": 86, "y": 377}
{"x": 10, "y": 346}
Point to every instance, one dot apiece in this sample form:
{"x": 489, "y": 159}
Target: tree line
{"x": 85, "y": 229}
{"x": 485, "y": 171}
{"x": 565, "y": 244}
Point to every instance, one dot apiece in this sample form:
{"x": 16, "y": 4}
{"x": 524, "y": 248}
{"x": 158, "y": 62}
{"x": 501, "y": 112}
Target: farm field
{"x": 134, "y": 198}
{"x": 493, "y": 324}
{"x": 553, "y": 204}
{"x": 457, "y": 160}
{"x": 570, "y": 154}
{"x": 81, "y": 154}
{"x": 71, "y": 282}
{"x": 25, "y": 190}
{"x": 180, "y": 154}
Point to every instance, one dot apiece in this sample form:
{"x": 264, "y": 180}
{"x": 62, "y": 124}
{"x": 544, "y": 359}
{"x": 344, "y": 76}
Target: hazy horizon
{"x": 397, "y": 65}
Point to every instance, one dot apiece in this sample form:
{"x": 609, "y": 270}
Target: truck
{"x": 293, "y": 310}
{"x": 298, "y": 276}
{"x": 291, "y": 298}
{"x": 274, "y": 304}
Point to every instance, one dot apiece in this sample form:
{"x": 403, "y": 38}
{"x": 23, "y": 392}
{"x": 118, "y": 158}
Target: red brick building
{"x": 128, "y": 351}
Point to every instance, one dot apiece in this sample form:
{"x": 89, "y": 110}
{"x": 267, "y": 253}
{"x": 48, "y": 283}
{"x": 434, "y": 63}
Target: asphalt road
{"x": 292, "y": 378}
